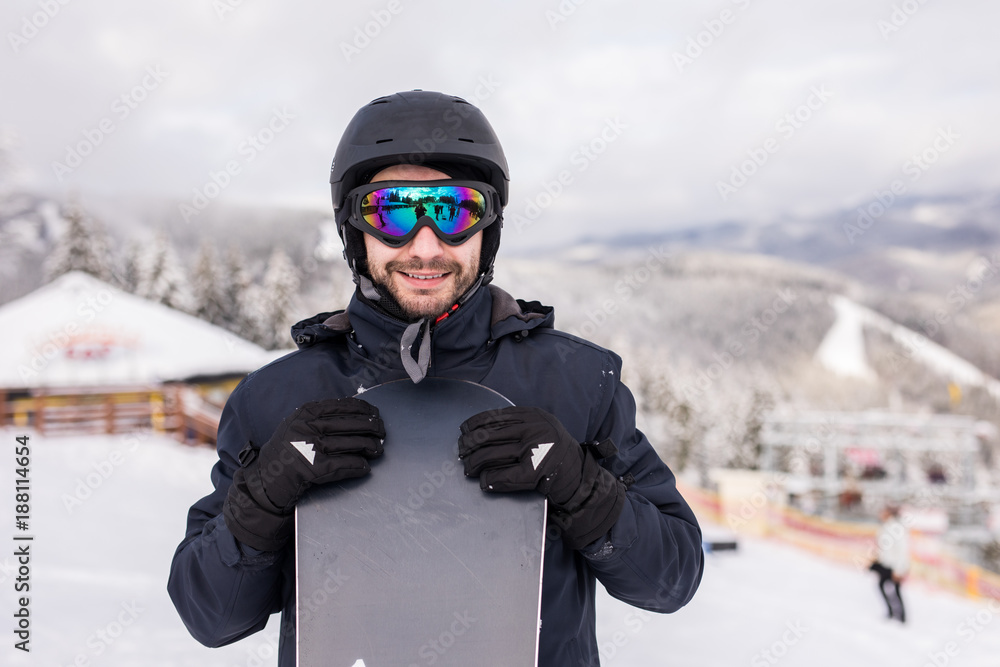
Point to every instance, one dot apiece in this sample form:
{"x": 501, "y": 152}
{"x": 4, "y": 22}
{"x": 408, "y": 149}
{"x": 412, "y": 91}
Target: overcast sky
{"x": 668, "y": 98}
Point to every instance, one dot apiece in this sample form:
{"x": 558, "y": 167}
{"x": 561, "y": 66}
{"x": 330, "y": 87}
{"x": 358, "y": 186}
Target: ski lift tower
{"x": 885, "y": 455}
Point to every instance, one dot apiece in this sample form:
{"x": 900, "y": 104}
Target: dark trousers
{"x": 890, "y": 591}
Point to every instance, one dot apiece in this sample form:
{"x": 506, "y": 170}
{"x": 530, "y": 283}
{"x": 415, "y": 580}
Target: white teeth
{"x": 438, "y": 275}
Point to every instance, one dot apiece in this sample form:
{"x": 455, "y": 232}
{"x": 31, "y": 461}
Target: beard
{"x": 422, "y": 303}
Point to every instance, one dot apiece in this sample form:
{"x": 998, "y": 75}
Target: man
{"x": 422, "y": 308}
{"x": 893, "y": 561}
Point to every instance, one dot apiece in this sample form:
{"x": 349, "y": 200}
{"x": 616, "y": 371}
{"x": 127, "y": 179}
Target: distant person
{"x": 893, "y": 561}
{"x": 850, "y": 498}
{"x": 936, "y": 474}
{"x": 424, "y": 308}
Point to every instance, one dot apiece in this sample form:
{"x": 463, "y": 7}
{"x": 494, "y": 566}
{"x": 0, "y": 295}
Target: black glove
{"x": 321, "y": 442}
{"x": 522, "y": 449}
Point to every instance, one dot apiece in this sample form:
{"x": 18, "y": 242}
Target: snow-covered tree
{"x": 699, "y": 423}
{"x": 745, "y": 426}
{"x": 208, "y": 287}
{"x": 677, "y": 424}
{"x": 272, "y": 306}
{"x": 125, "y": 274}
{"x": 82, "y": 246}
{"x": 234, "y": 282}
{"x": 161, "y": 276}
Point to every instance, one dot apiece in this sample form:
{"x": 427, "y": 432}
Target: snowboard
{"x": 414, "y": 564}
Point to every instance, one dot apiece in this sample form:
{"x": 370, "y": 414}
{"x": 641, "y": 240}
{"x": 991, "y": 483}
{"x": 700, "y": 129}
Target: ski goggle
{"x": 394, "y": 211}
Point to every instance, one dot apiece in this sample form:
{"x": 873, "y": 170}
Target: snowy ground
{"x": 99, "y": 569}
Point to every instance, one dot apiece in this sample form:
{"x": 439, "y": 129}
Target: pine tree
{"x": 255, "y": 327}
{"x": 234, "y": 282}
{"x": 83, "y": 246}
{"x": 274, "y": 305}
{"x": 126, "y": 273}
{"x": 207, "y": 285}
{"x": 678, "y": 423}
{"x": 745, "y": 429}
{"x": 161, "y": 277}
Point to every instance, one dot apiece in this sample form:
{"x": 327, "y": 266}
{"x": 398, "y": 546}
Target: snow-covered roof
{"x": 80, "y": 331}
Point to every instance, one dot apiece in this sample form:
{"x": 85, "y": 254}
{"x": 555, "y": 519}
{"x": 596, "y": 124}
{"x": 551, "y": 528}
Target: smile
{"x": 419, "y": 277}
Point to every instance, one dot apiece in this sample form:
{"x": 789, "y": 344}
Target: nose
{"x": 425, "y": 245}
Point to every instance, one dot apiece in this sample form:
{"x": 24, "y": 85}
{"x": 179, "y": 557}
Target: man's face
{"x": 426, "y": 276}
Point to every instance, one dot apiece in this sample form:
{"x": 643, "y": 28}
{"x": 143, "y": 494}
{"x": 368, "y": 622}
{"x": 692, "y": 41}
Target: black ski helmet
{"x": 417, "y": 127}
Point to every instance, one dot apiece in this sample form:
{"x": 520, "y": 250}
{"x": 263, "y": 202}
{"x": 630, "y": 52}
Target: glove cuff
{"x": 594, "y": 509}
{"x": 252, "y": 524}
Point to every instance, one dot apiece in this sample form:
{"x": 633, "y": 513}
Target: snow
{"x": 78, "y": 331}
{"x": 108, "y": 511}
{"x": 749, "y": 600}
{"x": 842, "y": 350}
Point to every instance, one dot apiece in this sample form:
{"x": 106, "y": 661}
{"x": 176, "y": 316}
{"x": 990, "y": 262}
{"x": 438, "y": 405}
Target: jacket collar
{"x": 488, "y": 316}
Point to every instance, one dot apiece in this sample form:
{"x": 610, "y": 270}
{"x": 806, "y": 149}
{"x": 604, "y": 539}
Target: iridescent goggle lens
{"x": 395, "y": 210}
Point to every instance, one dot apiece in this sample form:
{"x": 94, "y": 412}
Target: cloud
{"x": 231, "y": 63}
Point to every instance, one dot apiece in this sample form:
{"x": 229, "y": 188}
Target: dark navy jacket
{"x": 651, "y": 558}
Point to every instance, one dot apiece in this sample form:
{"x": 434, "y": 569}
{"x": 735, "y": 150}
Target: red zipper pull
{"x": 446, "y": 314}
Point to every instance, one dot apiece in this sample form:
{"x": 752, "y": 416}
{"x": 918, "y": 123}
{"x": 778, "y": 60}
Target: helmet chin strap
{"x": 416, "y": 368}
{"x": 368, "y": 288}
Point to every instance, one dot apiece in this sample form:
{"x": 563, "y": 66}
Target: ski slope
{"x": 107, "y": 513}
{"x": 842, "y": 350}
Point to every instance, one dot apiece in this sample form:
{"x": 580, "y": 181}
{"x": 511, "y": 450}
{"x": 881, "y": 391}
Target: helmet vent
{"x": 471, "y": 141}
{"x": 383, "y": 141}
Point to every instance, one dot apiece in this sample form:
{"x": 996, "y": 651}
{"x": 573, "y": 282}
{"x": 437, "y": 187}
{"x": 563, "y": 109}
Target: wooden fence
{"x": 175, "y": 409}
